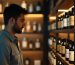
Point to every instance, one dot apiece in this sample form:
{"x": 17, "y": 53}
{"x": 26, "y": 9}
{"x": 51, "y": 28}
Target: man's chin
{"x": 18, "y": 32}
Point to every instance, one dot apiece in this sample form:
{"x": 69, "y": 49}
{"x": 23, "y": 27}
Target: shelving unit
{"x": 68, "y": 33}
{"x": 63, "y": 31}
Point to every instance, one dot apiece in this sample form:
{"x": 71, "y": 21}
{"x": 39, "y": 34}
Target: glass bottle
{"x": 66, "y": 20}
{"x": 28, "y": 26}
{"x": 71, "y": 51}
{"x": 72, "y": 14}
{"x": 24, "y": 42}
{"x": 30, "y": 10}
{"x": 39, "y": 27}
{"x": 37, "y": 43}
{"x": 34, "y": 26}
{"x": 63, "y": 47}
{"x": 30, "y": 44}
{"x": 38, "y": 7}
{"x": 27, "y": 61}
{"x": 67, "y": 50}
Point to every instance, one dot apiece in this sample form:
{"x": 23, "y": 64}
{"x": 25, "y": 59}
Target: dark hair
{"x": 14, "y": 11}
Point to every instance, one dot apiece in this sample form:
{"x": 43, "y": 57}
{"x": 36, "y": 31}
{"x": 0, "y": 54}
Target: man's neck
{"x": 10, "y": 31}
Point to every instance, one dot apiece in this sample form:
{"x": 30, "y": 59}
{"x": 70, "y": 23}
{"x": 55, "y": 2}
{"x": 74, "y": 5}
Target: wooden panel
{"x": 35, "y": 55}
{"x": 66, "y": 4}
{"x": 72, "y": 36}
{"x": 63, "y": 35}
{"x": 52, "y": 34}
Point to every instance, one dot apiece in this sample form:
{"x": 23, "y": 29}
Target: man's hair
{"x": 14, "y": 11}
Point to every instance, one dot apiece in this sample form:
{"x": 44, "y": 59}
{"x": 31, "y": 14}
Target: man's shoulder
{"x": 1, "y": 36}
{"x": 3, "y": 39}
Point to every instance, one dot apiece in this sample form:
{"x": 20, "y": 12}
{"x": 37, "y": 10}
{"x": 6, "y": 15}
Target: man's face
{"x": 19, "y": 24}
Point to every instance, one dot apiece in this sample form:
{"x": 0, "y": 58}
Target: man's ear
{"x": 11, "y": 21}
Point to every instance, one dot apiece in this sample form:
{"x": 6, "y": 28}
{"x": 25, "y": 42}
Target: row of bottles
{"x": 65, "y": 21}
{"x": 52, "y": 26}
{"x": 32, "y": 7}
{"x": 52, "y": 43}
{"x": 29, "y": 61}
{"x": 52, "y": 58}
{"x": 35, "y": 8}
{"x": 65, "y": 47}
{"x": 32, "y": 27}
{"x": 30, "y": 43}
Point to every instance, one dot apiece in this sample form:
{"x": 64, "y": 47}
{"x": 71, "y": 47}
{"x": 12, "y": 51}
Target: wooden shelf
{"x": 66, "y": 4}
{"x": 32, "y": 32}
{"x": 63, "y": 31}
{"x": 36, "y": 12}
{"x": 33, "y": 54}
{"x": 33, "y": 49}
{"x": 62, "y": 59}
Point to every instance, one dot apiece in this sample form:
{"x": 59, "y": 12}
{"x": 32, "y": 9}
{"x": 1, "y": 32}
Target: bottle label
{"x": 50, "y": 41}
{"x": 30, "y": 46}
{"x": 59, "y": 24}
{"x": 72, "y": 20}
{"x": 60, "y": 48}
{"x": 62, "y": 23}
{"x": 27, "y": 62}
{"x": 65, "y": 22}
{"x": 34, "y": 27}
{"x": 37, "y": 45}
{"x": 67, "y": 53}
{"x": 71, "y": 58}
{"x": 39, "y": 27}
{"x": 63, "y": 50}
{"x": 54, "y": 62}
{"x": 28, "y": 27}
{"x": 37, "y": 62}
{"x": 24, "y": 44}
{"x": 68, "y": 20}
{"x": 38, "y": 8}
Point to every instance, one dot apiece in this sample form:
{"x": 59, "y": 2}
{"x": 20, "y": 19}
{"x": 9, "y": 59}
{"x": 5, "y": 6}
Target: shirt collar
{"x": 11, "y": 38}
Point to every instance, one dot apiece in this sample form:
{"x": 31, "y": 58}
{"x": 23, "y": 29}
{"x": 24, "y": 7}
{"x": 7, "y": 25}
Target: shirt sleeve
{"x": 4, "y": 54}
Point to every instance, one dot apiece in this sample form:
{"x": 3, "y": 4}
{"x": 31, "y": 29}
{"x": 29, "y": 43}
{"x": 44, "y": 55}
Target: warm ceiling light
{"x": 52, "y": 17}
{"x": 62, "y": 10}
{"x": 61, "y": 14}
{"x": 0, "y": 8}
{"x": 23, "y": 5}
{"x": 70, "y": 8}
{"x": 34, "y": 15}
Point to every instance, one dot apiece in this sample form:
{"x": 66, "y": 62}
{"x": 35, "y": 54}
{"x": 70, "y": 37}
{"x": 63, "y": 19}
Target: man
{"x": 14, "y": 22}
